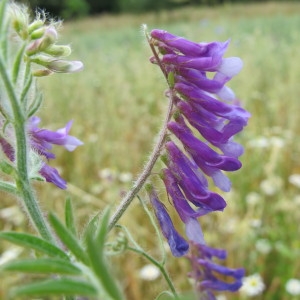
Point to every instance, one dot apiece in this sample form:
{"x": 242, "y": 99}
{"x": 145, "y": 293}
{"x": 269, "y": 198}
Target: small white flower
{"x": 271, "y": 185}
{"x": 149, "y": 272}
{"x": 295, "y": 180}
{"x": 253, "y": 198}
{"x": 260, "y": 142}
{"x": 292, "y": 286}
{"x": 263, "y": 246}
{"x": 221, "y": 297}
{"x": 255, "y": 223}
{"x": 125, "y": 177}
{"x": 252, "y": 285}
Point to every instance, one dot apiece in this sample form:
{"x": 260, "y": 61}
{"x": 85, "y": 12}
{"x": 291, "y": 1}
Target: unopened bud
{"x": 58, "y": 50}
{"x": 42, "y": 72}
{"x": 49, "y": 38}
{"x": 35, "y": 25}
{"x": 19, "y": 17}
{"x": 65, "y": 66}
{"x": 38, "y": 33}
{"x": 33, "y": 47}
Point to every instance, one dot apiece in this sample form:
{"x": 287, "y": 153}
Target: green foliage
{"x": 50, "y": 287}
{"x": 34, "y": 243}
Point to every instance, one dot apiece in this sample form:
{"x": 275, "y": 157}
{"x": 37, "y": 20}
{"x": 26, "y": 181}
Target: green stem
{"x": 23, "y": 183}
{"x": 8, "y": 187}
{"x": 160, "y": 267}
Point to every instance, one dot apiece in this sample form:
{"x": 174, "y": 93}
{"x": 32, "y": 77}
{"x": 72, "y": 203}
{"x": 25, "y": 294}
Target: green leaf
{"x": 101, "y": 269}
{"x": 69, "y": 217}
{"x": 17, "y": 64}
{"x": 33, "y": 242}
{"x": 60, "y": 286}
{"x": 42, "y": 265}
{"x": 8, "y": 187}
{"x": 91, "y": 227}
{"x": 35, "y": 105}
{"x": 68, "y": 239}
{"x": 171, "y": 79}
{"x": 103, "y": 227}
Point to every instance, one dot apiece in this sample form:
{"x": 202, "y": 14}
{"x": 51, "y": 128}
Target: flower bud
{"x": 64, "y": 66}
{"x": 38, "y": 33}
{"x": 49, "y": 38}
{"x": 35, "y": 25}
{"x": 58, "y": 50}
{"x": 42, "y": 72}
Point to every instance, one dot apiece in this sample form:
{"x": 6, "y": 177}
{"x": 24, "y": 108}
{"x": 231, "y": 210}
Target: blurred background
{"x": 117, "y": 104}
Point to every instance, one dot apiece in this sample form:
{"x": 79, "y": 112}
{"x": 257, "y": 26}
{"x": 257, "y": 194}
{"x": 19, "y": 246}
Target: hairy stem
{"x": 125, "y": 202}
{"x": 23, "y": 184}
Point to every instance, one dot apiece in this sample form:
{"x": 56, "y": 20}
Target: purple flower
{"x": 191, "y": 180}
{"x": 51, "y": 175}
{"x": 42, "y": 139}
{"x": 207, "y": 274}
{"x": 177, "y": 243}
{"x": 206, "y": 119}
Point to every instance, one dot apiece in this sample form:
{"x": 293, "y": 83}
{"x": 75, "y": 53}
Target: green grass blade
{"x": 69, "y": 217}
{"x": 61, "y": 286}
{"x": 101, "y": 269}
{"x": 42, "y": 265}
{"x": 33, "y": 242}
{"x": 68, "y": 239}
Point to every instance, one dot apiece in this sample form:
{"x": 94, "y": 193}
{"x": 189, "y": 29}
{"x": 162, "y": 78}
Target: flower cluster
{"x": 41, "y": 141}
{"x": 206, "y": 116}
{"x": 42, "y": 49}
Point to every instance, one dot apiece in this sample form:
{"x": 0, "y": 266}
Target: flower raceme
{"x": 205, "y": 118}
{"x": 41, "y": 141}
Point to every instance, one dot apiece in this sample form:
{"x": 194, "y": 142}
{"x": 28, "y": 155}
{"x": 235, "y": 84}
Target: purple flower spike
{"x": 177, "y": 243}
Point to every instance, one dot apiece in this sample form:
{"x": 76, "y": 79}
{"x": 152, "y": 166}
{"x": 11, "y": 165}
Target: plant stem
{"x": 161, "y": 268}
{"x": 125, "y": 202}
{"x": 23, "y": 183}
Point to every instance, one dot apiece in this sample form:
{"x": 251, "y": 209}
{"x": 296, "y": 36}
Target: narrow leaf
{"x": 103, "y": 227}
{"x": 101, "y": 269}
{"x": 17, "y": 64}
{"x": 61, "y": 286}
{"x": 35, "y": 105}
{"x": 42, "y": 265}
{"x": 69, "y": 217}
{"x": 33, "y": 242}
{"x": 68, "y": 239}
{"x": 8, "y": 187}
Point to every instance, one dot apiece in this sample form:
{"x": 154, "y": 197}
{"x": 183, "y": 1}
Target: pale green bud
{"x": 58, "y": 65}
{"x": 20, "y": 19}
{"x": 38, "y": 33}
{"x": 35, "y": 25}
{"x": 58, "y": 50}
{"x": 65, "y": 66}
{"x": 42, "y": 72}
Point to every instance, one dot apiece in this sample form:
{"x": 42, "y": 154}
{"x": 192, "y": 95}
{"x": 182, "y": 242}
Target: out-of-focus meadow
{"x": 117, "y": 104}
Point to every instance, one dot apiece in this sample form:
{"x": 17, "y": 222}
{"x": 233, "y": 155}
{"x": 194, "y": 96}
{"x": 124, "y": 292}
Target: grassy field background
{"x": 117, "y": 105}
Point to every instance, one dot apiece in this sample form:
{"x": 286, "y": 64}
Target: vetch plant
{"x": 196, "y": 145}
